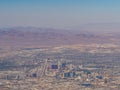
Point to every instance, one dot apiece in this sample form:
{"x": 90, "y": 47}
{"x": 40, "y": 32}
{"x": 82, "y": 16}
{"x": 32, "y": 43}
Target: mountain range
{"x": 31, "y": 36}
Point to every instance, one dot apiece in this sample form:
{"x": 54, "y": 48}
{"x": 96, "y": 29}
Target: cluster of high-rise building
{"x": 64, "y": 71}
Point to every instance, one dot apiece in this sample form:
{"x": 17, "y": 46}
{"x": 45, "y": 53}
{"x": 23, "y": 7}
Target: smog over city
{"x": 59, "y": 45}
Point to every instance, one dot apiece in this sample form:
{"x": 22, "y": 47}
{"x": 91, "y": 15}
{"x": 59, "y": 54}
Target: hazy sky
{"x": 58, "y": 13}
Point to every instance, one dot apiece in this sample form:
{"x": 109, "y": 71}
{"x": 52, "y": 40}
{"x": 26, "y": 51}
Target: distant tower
{"x": 44, "y": 67}
{"x": 18, "y": 77}
{"x": 59, "y": 64}
{"x": 7, "y": 77}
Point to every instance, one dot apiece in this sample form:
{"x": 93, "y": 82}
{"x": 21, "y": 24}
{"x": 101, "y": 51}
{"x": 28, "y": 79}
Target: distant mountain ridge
{"x": 30, "y": 36}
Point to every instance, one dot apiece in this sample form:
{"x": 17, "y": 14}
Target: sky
{"x": 58, "y": 13}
